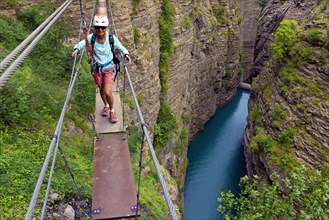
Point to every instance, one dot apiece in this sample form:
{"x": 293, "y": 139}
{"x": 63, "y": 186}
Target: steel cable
{"x": 54, "y": 140}
{"x": 58, "y": 136}
{"x": 154, "y": 157}
{"x": 22, "y": 45}
{"x": 29, "y": 213}
{"x": 12, "y": 68}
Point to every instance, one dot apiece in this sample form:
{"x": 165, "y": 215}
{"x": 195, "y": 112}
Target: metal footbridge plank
{"x": 114, "y": 192}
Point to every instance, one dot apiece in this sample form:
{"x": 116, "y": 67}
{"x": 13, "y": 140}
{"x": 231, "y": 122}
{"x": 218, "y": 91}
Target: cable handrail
{"x": 72, "y": 80}
{"x": 21, "y": 46}
{"x": 13, "y": 67}
{"x": 149, "y": 142}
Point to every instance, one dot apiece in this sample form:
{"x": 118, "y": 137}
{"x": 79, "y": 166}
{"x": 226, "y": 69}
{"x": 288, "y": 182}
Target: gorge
{"x": 188, "y": 58}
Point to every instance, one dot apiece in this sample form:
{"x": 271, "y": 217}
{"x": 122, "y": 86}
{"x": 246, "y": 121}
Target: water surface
{"x": 216, "y": 160}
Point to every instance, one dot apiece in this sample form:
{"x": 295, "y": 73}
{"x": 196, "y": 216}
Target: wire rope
{"x": 22, "y": 45}
{"x": 12, "y": 68}
{"x": 54, "y": 141}
{"x": 57, "y": 146}
{"x": 154, "y": 157}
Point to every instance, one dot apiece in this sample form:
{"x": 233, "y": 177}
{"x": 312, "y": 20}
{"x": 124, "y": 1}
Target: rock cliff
{"x": 288, "y": 121}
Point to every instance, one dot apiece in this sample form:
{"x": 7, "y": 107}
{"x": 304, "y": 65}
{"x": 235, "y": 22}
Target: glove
{"x": 127, "y": 57}
{"x": 75, "y": 52}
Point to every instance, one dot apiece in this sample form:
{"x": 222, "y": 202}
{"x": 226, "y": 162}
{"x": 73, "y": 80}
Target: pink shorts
{"x": 106, "y": 76}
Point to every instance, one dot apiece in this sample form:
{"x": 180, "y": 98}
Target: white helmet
{"x": 101, "y": 20}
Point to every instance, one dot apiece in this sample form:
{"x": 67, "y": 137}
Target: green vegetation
{"x": 284, "y": 38}
{"x": 255, "y": 114}
{"x": 140, "y": 98}
{"x": 166, "y": 124}
{"x": 186, "y": 22}
{"x": 297, "y": 192}
{"x": 221, "y": 15}
{"x": 301, "y": 53}
{"x": 10, "y": 3}
{"x": 30, "y": 105}
{"x": 182, "y": 142}
{"x": 165, "y": 127}
{"x": 287, "y": 135}
{"x": 303, "y": 189}
{"x": 31, "y": 18}
{"x": 283, "y": 89}
{"x": 262, "y": 3}
{"x": 137, "y": 35}
{"x": 135, "y": 4}
{"x": 278, "y": 115}
{"x": 150, "y": 185}
{"x": 166, "y": 45}
{"x": 262, "y": 142}
{"x": 267, "y": 90}
{"x": 313, "y": 36}
{"x": 11, "y": 33}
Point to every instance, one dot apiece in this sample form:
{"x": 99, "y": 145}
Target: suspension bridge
{"x": 114, "y": 192}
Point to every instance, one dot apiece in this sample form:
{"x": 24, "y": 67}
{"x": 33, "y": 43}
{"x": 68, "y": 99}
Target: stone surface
{"x": 305, "y": 101}
{"x": 69, "y": 213}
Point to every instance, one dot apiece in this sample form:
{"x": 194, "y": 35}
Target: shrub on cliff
{"x": 284, "y": 38}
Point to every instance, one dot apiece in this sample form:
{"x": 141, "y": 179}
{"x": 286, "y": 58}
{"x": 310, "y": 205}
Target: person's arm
{"x": 121, "y": 48}
{"x": 80, "y": 45}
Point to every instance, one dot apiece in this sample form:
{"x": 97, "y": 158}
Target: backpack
{"x": 116, "y": 61}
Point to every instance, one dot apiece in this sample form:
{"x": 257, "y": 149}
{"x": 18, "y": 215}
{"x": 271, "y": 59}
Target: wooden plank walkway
{"x": 114, "y": 193}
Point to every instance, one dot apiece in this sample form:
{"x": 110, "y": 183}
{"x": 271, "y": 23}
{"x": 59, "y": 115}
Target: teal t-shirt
{"x": 102, "y": 52}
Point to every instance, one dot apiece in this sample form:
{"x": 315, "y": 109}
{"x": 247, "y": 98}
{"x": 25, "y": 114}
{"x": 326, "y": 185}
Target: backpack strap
{"x": 111, "y": 41}
{"x": 116, "y": 61}
{"x": 92, "y": 42}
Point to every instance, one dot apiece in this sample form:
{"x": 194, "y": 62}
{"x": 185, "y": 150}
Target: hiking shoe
{"x": 113, "y": 117}
{"x": 106, "y": 111}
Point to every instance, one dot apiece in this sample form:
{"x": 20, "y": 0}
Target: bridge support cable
{"x": 140, "y": 171}
{"x": 55, "y": 137}
{"x": 58, "y": 138}
{"x": 110, "y": 12}
{"x": 22, "y": 45}
{"x": 12, "y": 68}
{"x": 36, "y": 192}
{"x": 69, "y": 169}
{"x": 149, "y": 142}
{"x": 50, "y": 177}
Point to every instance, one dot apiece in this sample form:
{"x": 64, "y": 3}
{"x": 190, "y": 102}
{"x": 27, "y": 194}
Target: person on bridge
{"x": 104, "y": 70}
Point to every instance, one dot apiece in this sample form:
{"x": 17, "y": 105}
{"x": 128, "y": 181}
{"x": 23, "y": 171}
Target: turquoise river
{"x": 216, "y": 160}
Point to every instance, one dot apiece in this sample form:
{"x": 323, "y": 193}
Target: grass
{"x": 150, "y": 186}
{"x": 31, "y": 102}
{"x": 166, "y": 124}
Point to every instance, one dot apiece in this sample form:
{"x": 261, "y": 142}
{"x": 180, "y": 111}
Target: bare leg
{"x": 108, "y": 95}
{"x": 103, "y": 95}
{"x": 107, "y": 87}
